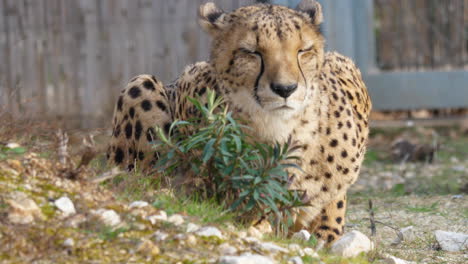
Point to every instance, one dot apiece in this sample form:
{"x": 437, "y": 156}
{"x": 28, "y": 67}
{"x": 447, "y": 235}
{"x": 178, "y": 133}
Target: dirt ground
{"x": 422, "y": 182}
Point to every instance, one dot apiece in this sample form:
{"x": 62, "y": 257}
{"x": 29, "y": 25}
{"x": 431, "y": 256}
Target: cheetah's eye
{"x": 248, "y": 51}
{"x": 305, "y": 49}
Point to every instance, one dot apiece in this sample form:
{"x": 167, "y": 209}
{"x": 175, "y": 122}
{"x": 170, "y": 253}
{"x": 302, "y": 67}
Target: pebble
{"x": 302, "y": 235}
{"x": 148, "y": 248}
{"x": 451, "y": 241}
{"x": 271, "y": 247}
{"x": 162, "y": 216}
{"x": 191, "y": 240}
{"x": 245, "y": 259}
{"x": 352, "y": 244}
{"x": 226, "y": 249}
{"x": 176, "y": 219}
{"x": 76, "y": 220}
{"x": 295, "y": 260}
{"x": 108, "y": 217}
{"x": 69, "y": 242}
{"x": 23, "y": 210}
{"x": 191, "y": 227}
{"x": 296, "y": 249}
{"x": 310, "y": 252}
{"x": 209, "y": 231}
{"x": 138, "y": 204}
{"x": 407, "y": 233}
{"x": 65, "y": 205}
{"x": 394, "y": 260}
{"x": 160, "y": 235}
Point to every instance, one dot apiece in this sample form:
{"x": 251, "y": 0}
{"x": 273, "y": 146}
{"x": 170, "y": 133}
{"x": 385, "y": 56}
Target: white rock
{"x": 407, "y": 233}
{"x": 138, "y": 204}
{"x": 294, "y": 247}
{"x": 302, "y": 235}
{"x": 108, "y": 217}
{"x": 451, "y": 241}
{"x": 69, "y": 242}
{"x": 245, "y": 259}
{"x": 191, "y": 240}
{"x": 65, "y": 205}
{"x": 13, "y": 145}
{"x": 351, "y": 244}
{"x": 394, "y": 260}
{"x": 242, "y": 234}
{"x": 295, "y": 260}
{"x": 191, "y": 227}
{"x": 226, "y": 249}
{"x": 271, "y": 247}
{"x": 310, "y": 252}
{"x": 209, "y": 231}
{"x": 160, "y": 236}
{"x": 176, "y": 219}
{"x": 162, "y": 216}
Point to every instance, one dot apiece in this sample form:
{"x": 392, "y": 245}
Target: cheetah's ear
{"x": 313, "y": 9}
{"x": 210, "y": 17}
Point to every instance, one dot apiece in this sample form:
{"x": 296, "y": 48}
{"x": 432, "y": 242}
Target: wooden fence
{"x": 68, "y": 59}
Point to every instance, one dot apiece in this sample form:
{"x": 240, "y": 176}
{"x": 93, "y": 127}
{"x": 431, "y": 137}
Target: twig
{"x": 372, "y": 219}
{"x": 107, "y": 175}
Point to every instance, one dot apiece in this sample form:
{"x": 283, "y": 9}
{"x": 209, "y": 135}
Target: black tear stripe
{"x": 302, "y": 73}
{"x": 262, "y": 68}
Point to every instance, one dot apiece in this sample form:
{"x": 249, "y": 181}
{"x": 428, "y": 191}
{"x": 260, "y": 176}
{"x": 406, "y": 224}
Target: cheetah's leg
{"x": 329, "y": 225}
{"x": 142, "y": 106}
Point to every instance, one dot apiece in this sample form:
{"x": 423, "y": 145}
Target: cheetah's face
{"x": 268, "y": 56}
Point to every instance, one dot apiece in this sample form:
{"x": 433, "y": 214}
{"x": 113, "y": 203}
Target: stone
{"x": 302, "y": 235}
{"x": 296, "y": 249}
{"x": 191, "y": 240}
{"x": 209, "y": 231}
{"x": 108, "y": 217}
{"x": 69, "y": 242}
{"x": 147, "y": 247}
{"x": 451, "y": 241}
{"x": 75, "y": 221}
{"x": 394, "y": 260}
{"x": 65, "y": 205}
{"x": 160, "y": 236}
{"x": 226, "y": 249}
{"x": 310, "y": 252}
{"x": 176, "y": 219}
{"x": 138, "y": 204}
{"x": 245, "y": 259}
{"x": 191, "y": 227}
{"x": 407, "y": 234}
{"x": 295, "y": 260}
{"x": 252, "y": 231}
{"x": 272, "y": 248}
{"x": 162, "y": 216}
{"x": 23, "y": 210}
{"x": 352, "y": 244}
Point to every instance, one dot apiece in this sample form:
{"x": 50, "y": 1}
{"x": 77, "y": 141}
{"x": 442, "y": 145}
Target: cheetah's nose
{"x": 283, "y": 90}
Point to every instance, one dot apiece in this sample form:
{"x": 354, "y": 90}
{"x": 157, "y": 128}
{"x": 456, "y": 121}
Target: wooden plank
{"x": 417, "y": 90}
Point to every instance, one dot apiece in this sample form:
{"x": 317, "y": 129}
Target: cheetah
{"x": 268, "y": 63}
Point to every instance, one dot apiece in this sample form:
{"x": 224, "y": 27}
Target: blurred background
{"x": 66, "y": 60}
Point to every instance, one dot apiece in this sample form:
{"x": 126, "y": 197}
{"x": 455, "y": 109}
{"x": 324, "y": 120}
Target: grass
{"x": 423, "y": 209}
{"x": 208, "y": 211}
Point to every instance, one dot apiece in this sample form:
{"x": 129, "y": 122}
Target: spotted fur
{"x": 269, "y": 64}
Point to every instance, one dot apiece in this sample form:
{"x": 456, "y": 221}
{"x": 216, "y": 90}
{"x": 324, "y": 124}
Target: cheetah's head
{"x": 267, "y": 56}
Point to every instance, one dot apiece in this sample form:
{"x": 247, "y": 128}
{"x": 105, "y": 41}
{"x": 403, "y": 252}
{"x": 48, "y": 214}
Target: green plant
{"x": 221, "y": 161}
{"x": 6, "y": 151}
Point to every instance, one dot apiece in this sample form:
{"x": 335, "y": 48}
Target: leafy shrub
{"x": 219, "y": 160}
